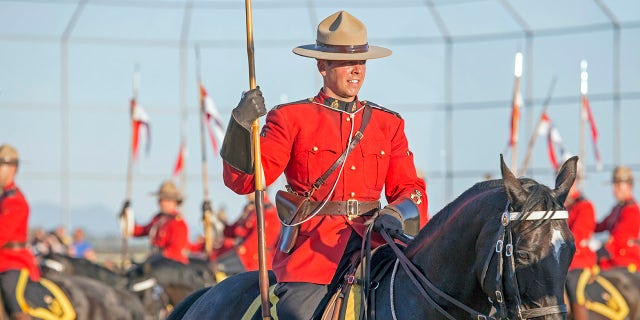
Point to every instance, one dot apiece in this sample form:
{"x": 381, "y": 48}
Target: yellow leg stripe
{"x": 257, "y": 304}
{"x": 219, "y": 275}
{"x": 616, "y": 308}
{"x": 585, "y": 275}
{"x": 61, "y": 308}
{"x": 20, "y": 286}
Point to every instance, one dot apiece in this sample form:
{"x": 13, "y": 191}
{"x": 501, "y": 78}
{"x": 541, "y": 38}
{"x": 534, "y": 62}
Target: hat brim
{"x": 314, "y": 51}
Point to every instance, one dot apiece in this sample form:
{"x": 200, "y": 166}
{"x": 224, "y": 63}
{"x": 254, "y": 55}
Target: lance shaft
{"x": 534, "y": 134}
{"x": 127, "y": 201}
{"x": 207, "y": 213}
{"x": 258, "y": 175}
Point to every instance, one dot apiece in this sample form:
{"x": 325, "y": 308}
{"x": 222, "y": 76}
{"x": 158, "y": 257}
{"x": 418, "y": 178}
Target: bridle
{"x": 503, "y": 251}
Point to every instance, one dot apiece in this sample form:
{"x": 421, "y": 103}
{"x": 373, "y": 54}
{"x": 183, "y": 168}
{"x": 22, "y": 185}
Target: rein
{"x": 503, "y": 250}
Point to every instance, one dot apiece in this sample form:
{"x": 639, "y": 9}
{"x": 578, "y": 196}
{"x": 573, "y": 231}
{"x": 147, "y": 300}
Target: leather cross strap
{"x": 14, "y": 245}
{"x": 366, "y": 116}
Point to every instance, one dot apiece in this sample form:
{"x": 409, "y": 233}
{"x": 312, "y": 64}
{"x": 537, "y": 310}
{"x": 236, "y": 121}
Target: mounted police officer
{"x": 25, "y": 294}
{"x": 167, "y": 231}
{"x": 582, "y": 223}
{"x": 169, "y": 236}
{"x": 623, "y": 224}
{"x": 337, "y": 153}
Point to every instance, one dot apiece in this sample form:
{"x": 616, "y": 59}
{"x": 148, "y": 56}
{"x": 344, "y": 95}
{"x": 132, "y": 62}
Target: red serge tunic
{"x": 14, "y": 218}
{"x": 582, "y": 223}
{"x": 303, "y": 139}
{"x": 168, "y": 233}
{"x": 246, "y": 228}
{"x": 623, "y": 223}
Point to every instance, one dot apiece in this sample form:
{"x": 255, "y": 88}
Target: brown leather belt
{"x": 351, "y": 208}
{"x": 14, "y": 245}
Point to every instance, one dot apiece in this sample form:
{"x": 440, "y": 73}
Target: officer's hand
{"x": 125, "y": 206}
{"x": 389, "y": 219}
{"x": 206, "y": 206}
{"x": 250, "y": 108}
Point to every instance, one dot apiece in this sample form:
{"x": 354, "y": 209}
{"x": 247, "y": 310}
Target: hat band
{"x": 342, "y": 49}
{"x": 8, "y": 161}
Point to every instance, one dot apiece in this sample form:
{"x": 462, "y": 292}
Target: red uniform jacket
{"x": 303, "y": 140}
{"x": 14, "y": 218}
{"x": 582, "y": 222}
{"x": 245, "y": 230}
{"x": 623, "y": 223}
{"x": 169, "y": 234}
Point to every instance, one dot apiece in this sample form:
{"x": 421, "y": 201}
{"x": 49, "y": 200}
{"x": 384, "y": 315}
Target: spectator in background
{"x": 623, "y": 223}
{"x": 80, "y": 247}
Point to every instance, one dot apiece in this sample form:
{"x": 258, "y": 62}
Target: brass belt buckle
{"x": 353, "y": 209}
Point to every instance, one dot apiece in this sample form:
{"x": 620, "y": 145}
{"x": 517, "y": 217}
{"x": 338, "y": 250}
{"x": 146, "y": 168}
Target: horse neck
{"x": 454, "y": 236}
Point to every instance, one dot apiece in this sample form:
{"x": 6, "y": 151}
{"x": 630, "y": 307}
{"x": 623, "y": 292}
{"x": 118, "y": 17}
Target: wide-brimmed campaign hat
{"x": 8, "y": 155}
{"x": 341, "y": 36}
{"x": 622, "y": 174}
{"x": 169, "y": 191}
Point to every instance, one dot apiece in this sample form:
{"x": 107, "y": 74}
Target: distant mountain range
{"x": 97, "y": 220}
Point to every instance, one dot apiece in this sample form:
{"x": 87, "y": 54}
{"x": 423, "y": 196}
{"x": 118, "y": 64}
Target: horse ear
{"x": 516, "y": 194}
{"x": 566, "y": 177}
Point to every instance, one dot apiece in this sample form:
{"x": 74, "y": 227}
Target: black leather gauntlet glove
{"x": 389, "y": 219}
{"x": 250, "y": 108}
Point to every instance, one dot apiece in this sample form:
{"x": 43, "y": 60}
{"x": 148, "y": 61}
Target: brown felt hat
{"x": 622, "y": 174}
{"x": 341, "y": 36}
{"x": 169, "y": 191}
{"x": 8, "y": 154}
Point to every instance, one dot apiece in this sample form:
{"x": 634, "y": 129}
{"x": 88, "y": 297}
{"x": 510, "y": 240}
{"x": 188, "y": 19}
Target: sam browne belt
{"x": 14, "y": 245}
{"x": 351, "y": 208}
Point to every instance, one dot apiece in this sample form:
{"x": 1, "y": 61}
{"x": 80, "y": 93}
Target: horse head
{"x": 503, "y": 244}
{"x": 537, "y": 247}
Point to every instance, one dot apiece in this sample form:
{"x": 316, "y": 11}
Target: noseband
{"x": 504, "y": 251}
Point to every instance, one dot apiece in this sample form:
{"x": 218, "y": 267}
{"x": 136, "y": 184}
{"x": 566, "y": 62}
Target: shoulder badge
{"x": 292, "y": 103}
{"x": 379, "y": 107}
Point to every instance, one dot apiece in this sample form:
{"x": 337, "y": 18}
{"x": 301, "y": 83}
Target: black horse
{"x": 501, "y": 249}
{"x": 154, "y": 285}
{"x": 610, "y": 294}
{"x": 92, "y": 300}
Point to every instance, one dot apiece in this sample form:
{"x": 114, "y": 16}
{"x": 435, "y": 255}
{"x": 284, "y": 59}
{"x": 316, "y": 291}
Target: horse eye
{"x": 522, "y": 255}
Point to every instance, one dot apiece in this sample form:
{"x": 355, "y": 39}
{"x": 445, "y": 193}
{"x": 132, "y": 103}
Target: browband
{"x": 539, "y": 215}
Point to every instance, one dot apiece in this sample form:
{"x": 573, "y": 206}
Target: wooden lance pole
{"x": 515, "y": 116}
{"x": 584, "y": 89}
{"x": 126, "y": 216}
{"x": 212, "y": 229}
{"x": 535, "y": 133}
{"x": 259, "y": 183}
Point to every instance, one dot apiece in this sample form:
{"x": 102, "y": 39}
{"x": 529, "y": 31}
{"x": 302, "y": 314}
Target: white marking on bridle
{"x": 144, "y": 285}
{"x": 557, "y": 241}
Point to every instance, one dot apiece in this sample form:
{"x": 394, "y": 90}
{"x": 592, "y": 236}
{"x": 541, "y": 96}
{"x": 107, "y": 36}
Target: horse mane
{"x": 492, "y": 196}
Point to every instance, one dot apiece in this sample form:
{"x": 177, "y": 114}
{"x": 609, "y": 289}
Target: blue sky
{"x": 65, "y": 84}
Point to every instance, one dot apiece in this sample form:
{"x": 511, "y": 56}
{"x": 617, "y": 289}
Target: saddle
{"x": 43, "y": 299}
{"x": 348, "y": 300}
{"x": 600, "y": 295}
{"x": 353, "y": 299}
